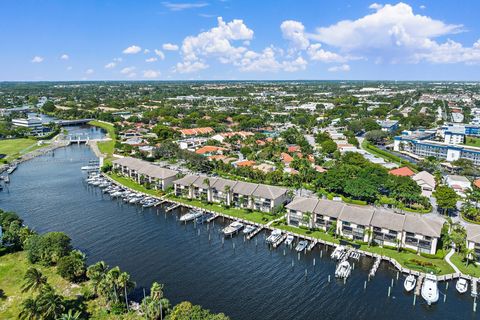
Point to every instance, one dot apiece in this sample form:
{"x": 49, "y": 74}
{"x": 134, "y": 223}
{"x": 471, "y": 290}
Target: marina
{"x": 316, "y": 268}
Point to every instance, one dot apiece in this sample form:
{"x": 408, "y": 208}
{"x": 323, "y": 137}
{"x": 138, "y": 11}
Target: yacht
{"x": 192, "y": 214}
{"x": 430, "y": 289}
{"x": 204, "y": 218}
{"x": 232, "y": 228}
{"x": 337, "y": 253}
{"x": 461, "y": 285}
{"x": 302, "y": 245}
{"x": 248, "y": 229}
{"x": 274, "y": 236}
{"x": 409, "y": 283}
{"x": 343, "y": 270}
{"x": 289, "y": 240}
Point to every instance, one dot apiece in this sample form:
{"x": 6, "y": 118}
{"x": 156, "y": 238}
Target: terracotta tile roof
{"x": 402, "y": 172}
{"x": 476, "y": 183}
{"x": 245, "y": 163}
{"x": 286, "y": 157}
{"x": 209, "y": 149}
{"x": 196, "y": 131}
{"x": 293, "y": 148}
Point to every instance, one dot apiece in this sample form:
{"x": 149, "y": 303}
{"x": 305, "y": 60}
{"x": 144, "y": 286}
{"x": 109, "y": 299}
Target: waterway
{"x": 245, "y": 280}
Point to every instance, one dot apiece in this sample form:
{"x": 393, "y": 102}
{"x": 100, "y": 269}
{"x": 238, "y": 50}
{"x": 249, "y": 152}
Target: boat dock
{"x": 419, "y": 285}
{"x": 279, "y": 241}
{"x": 254, "y": 233}
{"x": 172, "y": 207}
{"x": 215, "y": 216}
{"x": 312, "y": 245}
{"x": 474, "y": 292}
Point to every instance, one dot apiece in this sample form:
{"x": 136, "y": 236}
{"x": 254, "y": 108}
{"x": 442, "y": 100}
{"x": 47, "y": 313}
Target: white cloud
{"x": 392, "y": 31}
{"x": 37, "y": 59}
{"x": 294, "y": 32}
{"x": 315, "y": 52}
{"x": 151, "y": 74}
{"x": 152, "y": 59}
{"x": 146, "y": 51}
{"x": 184, "y": 6}
{"x": 160, "y": 54}
{"x": 127, "y": 70}
{"x": 341, "y": 68}
{"x": 267, "y": 61}
{"x": 89, "y": 71}
{"x": 170, "y": 47}
{"x": 423, "y": 7}
{"x": 449, "y": 52}
{"x": 110, "y": 65}
{"x": 64, "y": 56}
{"x": 132, "y": 50}
{"x": 376, "y": 6}
{"x": 216, "y": 42}
{"x": 190, "y": 66}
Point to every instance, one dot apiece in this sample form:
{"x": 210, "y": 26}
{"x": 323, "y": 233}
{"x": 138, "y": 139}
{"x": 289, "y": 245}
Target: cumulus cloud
{"x": 146, "y": 51}
{"x": 315, "y": 52}
{"x": 170, "y": 47}
{"x": 392, "y": 31}
{"x": 184, "y": 6}
{"x": 132, "y": 50}
{"x": 64, "y": 56}
{"x": 89, "y": 71}
{"x": 127, "y": 70}
{"x": 190, "y": 66}
{"x": 341, "y": 68}
{"x": 37, "y": 59}
{"x": 294, "y": 32}
{"x": 110, "y": 65}
{"x": 267, "y": 61}
{"x": 152, "y": 59}
{"x": 151, "y": 74}
{"x": 160, "y": 54}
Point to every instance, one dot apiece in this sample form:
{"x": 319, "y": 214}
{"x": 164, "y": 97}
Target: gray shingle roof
{"x": 303, "y": 204}
{"x": 244, "y": 188}
{"x": 329, "y": 208}
{"x": 473, "y": 232}
{"x": 220, "y": 184}
{"x": 146, "y": 168}
{"x": 186, "y": 181}
{"x": 387, "y": 220}
{"x": 422, "y": 225}
{"x": 356, "y": 214}
{"x": 269, "y": 192}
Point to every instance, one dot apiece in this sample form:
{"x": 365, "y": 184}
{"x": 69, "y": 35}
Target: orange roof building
{"x": 245, "y": 163}
{"x": 286, "y": 158}
{"x": 476, "y": 183}
{"x": 196, "y": 131}
{"x": 209, "y": 150}
{"x": 402, "y": 172}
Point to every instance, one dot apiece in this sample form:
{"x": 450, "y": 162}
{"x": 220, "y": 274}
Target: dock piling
{"x": 365, "y": 285}
{"x": 389, "y": 291}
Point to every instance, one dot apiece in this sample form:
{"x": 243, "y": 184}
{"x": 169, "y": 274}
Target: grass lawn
{"x": 254, "y": 216}
{"x": 133, "y": 185}
{"x": 13, "y": 148}
{"x": 472, "y": 141}
{"x": 314, "y": 234}
{"x": 472, "y": 269}
{"x": 12, "y": 269}
{"x": 106, "y": 147}
{"x": 387, "y": 156}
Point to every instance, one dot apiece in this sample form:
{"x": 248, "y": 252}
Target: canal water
{"x": 245, "y": 280}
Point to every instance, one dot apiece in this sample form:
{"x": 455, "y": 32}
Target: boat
{"x": 89, "y": 168}
{"x": 343, "y": 270}
{"x": 249, "y": 229}
{"x": 289, "y": 240}
{"x": 232, "y": 228}
{"x": 338, "y": 252}
{"x": 192, "y": 214}
{"x": 461, "y": 285}
{"x": 302, "y": 245}
{"x": 429, "y": 290}
{"x": 409, "y": 283}
{"x": 274, "y": 236}
{"x": 11, "y": 168}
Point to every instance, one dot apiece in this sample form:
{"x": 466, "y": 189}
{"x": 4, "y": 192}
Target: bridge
{"x": 72, "y": 122}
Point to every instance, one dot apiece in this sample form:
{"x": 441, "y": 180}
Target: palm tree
{"x": 30, "y": 310}
{"x": 307, "y": 218}
{"x": 368, "y": 233}
{"x": 50, "y": 303}
{"x": 156, "y": 291}
{"x": 470, "y": 255}
{"x": 70, "y": 315}
{"x": 124, "y": 281}
{"x": 33, "y": 280}
{"x": 96, "y": 273}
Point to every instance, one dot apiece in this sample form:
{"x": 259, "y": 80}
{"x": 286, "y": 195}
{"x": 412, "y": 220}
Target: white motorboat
{"x": 343, "y": 270}
{"x": 232, "y": 228}
{"x": 302, "y": 245}
{"x": 338, "y": 252}
{"x": 135, "y": 199}
{"x": 248, "y": 229}
{"x": 461, "y": 285}
{"x": 289, "y": 240}
{"x": 409, "y": 283}
{"x": 87, "y": 168}
{"x": 192, "y": 214}
{"x": 430, "y": 289}
{"x": 274, "y": 236}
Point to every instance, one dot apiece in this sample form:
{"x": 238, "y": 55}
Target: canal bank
{"x": 240, "y": 278}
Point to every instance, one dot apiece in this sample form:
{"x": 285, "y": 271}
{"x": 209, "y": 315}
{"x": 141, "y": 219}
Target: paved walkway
{"x": 447, "y": 258}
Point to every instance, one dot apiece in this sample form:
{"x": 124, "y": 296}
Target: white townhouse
{"x": 422, "y": 233}
{"x": 353, "y": 221}
{"x": 473, "y": 239}
{"x": 426, "y": 181}
{"x": 145, "y": 172}
{"x": 387, "y": 228}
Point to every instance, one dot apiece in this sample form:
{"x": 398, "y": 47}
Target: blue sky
{"x": 243, "y": 39}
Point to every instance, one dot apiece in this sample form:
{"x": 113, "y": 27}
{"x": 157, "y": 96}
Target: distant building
{"x": 458, "y": 183}
{"x": 402, "y": 172}
{"x": 426, "y": 181}
{"x": 34, "y": 124}
{"x": 388, "y": 125}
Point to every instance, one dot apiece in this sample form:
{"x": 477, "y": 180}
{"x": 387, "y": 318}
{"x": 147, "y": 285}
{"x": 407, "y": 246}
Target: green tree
{"x": 329, "y": 146}
{"x": 33, "y": 280}
{"x": 72, "y": 267}
{"x": 187, "y": 311}
{"x": 97, "y": 273}
{"x": 30, "y": 310}
{"x": 446, "y": 198}
{"x": 50, "y": 303}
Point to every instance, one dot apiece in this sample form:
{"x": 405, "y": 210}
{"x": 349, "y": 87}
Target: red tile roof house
{"x": 196, "y": 131}
{"x": 402, "y": 172}
{"x": 210, "y": 150}
{"x": 286, "y": 158}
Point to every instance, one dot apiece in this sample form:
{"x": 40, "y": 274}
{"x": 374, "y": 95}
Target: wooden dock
{"x": 172, "y": 208}
{"x": 279, "y": 241}
{"x": 312, "y": 245}
{"x": 215, "y": 216}
{"x": 254, "y": 233}
{"x": 418, "y": 288}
